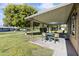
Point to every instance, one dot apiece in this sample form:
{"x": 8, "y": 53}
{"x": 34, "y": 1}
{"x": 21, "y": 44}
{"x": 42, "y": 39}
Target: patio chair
{"x": 56, "y": 37}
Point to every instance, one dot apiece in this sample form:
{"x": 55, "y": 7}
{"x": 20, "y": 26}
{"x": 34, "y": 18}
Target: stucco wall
{"x": 77, "y": 28}
{"x": 75, "y": 38}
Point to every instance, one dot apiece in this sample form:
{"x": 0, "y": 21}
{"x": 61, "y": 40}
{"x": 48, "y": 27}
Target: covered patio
{"x": 54, "y": 16}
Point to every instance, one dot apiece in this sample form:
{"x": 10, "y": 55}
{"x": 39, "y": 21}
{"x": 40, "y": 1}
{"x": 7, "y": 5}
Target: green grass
{"x": 16, "y": 44}
{"x": 3, "y": 33}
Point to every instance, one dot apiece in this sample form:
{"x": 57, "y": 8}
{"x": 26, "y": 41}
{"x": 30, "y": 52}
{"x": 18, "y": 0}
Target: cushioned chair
{"x": 56, "y": 37}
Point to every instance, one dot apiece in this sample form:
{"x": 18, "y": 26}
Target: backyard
{"x": 17, "y": 44}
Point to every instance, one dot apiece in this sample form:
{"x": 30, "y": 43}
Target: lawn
{"x": 16, "y": 44}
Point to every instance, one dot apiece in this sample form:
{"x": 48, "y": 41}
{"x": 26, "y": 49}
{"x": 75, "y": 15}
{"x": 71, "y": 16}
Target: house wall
{"x": 74, "y": 38}
{"x": 77, "y": 27}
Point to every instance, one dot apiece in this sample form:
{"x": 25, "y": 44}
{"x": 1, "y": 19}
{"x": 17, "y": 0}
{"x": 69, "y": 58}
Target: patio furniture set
{"x": 50, "y": 36}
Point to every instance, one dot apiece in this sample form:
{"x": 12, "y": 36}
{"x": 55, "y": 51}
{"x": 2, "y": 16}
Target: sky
{"x": 38, "y": 6}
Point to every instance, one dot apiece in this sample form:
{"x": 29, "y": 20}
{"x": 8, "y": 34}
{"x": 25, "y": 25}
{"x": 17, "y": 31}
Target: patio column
{"x": 31, "y": 27}
{"x": 58, "y": 27}
{"x": 42, "y": 25}
{"x": 49, "y": 28}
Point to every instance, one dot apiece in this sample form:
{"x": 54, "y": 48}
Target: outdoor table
{"x": 49, "y": 36}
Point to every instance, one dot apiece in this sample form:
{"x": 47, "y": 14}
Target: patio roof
{"x": 59, "y": 14}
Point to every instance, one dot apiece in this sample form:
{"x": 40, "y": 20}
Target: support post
{"x": 31, "y": 27}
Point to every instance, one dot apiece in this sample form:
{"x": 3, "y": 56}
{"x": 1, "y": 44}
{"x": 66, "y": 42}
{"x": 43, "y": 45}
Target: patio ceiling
{"x": 58, "y": 14}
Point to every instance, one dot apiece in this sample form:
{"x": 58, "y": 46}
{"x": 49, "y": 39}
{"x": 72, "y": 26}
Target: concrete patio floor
{"x": 58, "y": 47}
{"x": 70, "y": 49}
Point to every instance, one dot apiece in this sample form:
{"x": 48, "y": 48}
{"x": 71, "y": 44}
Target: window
{"x": 73, "y": 24}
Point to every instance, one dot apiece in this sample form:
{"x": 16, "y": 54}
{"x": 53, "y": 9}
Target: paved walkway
{"x": 58, "y": 47}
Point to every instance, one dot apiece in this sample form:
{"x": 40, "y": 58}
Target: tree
{"x": 15, "y": 15}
